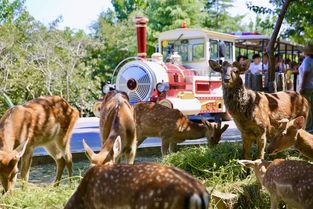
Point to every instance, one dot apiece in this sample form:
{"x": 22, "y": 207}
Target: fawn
{"x": 155, "y": 120}
{"x": 116, "y": 119}
{"x": 137, "y": 186}
{"x": 288, "y": 180}
{"x": 292, "y": 134}
{"x": 256, "y": 114}
{"x": 46, "y": 121}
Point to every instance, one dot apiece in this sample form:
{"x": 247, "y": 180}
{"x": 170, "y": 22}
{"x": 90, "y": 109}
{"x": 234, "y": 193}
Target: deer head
{"x": 214, "y": 132}
{"x": 108, "y": 155}
{"x": 259, "y": 166}
{"x": 286, "y": 136}
{"x": 230, "y": 73}
{"x": 8, "y": 166}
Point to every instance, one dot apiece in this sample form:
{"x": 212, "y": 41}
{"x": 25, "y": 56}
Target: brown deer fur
{"x": 293, "y": 135}
{"x": 116, "y": 119}
{"x": 153, "y": 186}
{"x": 256, "y": 114}
{"x": 290, "y": 181}
{"x": 46, "y": 121}
{"x": 155, "y": 120}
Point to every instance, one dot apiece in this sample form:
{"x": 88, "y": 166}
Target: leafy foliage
{"x": 299, "y": 18}
{"x": 36, "y": 60}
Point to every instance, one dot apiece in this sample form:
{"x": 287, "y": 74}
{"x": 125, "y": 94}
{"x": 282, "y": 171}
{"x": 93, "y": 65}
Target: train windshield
{"x": 190, "y": 50}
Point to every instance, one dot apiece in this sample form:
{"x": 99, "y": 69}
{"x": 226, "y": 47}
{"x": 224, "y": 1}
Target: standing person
{"x": 306, "y": 82}
{"x": 256, "y": 65}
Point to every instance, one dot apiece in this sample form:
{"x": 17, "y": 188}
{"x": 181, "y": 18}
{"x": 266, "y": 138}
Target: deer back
{"x": 292, "y": 181}
{"x": 112, "y": 102}
{"x": 138, "y": 186}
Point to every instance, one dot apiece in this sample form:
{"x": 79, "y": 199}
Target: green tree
{"x": 123, "y": 8}
{"x": 299, "y": 18}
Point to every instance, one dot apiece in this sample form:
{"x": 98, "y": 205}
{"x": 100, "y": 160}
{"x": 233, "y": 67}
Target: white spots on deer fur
{"x": 156, "y": 204}
{"x": 195, "y": 202}
{"x": 283, "y": 188}
{"x": 166, "y": 205}
{"x": 151, "y": 193}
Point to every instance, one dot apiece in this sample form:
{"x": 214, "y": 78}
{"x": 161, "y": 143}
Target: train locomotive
{"x": 178, "y": 75}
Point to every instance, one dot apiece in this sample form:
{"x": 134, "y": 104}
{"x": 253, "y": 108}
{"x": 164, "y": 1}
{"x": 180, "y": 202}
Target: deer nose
{"x": 226, "y": 80}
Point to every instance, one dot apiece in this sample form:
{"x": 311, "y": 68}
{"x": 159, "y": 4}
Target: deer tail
{"x": 196, "y": 201}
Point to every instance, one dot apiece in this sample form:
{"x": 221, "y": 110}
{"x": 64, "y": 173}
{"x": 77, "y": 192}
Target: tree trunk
{"x": 272, "y": 87}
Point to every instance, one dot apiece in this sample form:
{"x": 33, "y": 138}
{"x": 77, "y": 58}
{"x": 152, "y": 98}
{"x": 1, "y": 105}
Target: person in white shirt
{"x": 256, "y": 65}
{"x": 265, "y": 62}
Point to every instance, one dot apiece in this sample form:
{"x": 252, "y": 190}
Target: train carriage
{"x": 178, "y": 75}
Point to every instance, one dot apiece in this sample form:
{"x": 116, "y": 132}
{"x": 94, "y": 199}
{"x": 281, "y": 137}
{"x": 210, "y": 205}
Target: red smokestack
{"x": 141, "y": 23}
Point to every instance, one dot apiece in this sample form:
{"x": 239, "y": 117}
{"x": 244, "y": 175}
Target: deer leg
{"x": 246, "y": 147}
{"x": 173, "y": 147}
{"x": 130, "y": 154}
{"x": 274, "y": 202}
{"x": 26, "y": 162}
{"x": 164, "y": 147}
{"x": 57, "y": 155}
{"x": 261, "y": 141}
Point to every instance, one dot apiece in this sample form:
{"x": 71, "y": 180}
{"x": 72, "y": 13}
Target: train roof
{"x": 195, "y": 33}
{"x": 254, "y": 42}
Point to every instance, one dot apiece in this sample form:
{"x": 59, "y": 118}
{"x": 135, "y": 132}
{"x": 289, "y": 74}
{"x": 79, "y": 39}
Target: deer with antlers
{"x": 47, "y": 122}
{"x": 155, "y": 120}
{"x": 256, "y": 114}
{"x": 137, "y": 186}
{"x": 286, "y": 180}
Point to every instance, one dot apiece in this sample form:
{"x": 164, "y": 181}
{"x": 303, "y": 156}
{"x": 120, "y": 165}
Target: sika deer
{"x": 153, "y": 186}
{"x": 288, "y": 180}
{"x": 293, "y": 135}
{"x": 47, "y": 122}
{"x": 116, "y": 119}
{"x": 256, "y": 114}
{"x": 155, "y": 120}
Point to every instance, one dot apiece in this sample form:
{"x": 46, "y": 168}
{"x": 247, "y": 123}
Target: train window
{"x": 229, "y": 51}
{"x": 214, "y": 50}
{"x": 183, "y": 51}
{"x": 197, "y": 52}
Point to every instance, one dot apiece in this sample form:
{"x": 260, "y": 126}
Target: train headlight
{"x": 162, "y": 87}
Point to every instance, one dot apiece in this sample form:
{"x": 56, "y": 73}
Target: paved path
{"x": 88, "y": 129}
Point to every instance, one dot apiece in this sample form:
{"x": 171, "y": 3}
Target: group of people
{"x": 304, "y": 68}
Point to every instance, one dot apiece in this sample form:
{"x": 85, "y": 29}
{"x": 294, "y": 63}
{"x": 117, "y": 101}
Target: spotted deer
{"x": 137, "y": 186}
{"x": 290, "y": 181}
{"x": 292, "y": 134}
{"x": 155, "y": 120}
{"x": 116, "y": 119}
{"x": 45, "y": 121}
{"x": 256, "y": 114}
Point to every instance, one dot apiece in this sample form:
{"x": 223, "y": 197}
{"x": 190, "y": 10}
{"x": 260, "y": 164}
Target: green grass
{"x": 216, "y": 167}
{"x": 219, "y": 170}
{"x": 38, "y": 197}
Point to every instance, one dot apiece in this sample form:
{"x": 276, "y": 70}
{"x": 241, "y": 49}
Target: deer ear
{"x": 299, "y": 122}
{"x": 20, "y": 150}
{"x": 117, "y": 147}
{"x": 215, "y": 66}
{"x": 249, "y": 163}
{"x": 89, "y": 152}
{"x": 242, "y": 67}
